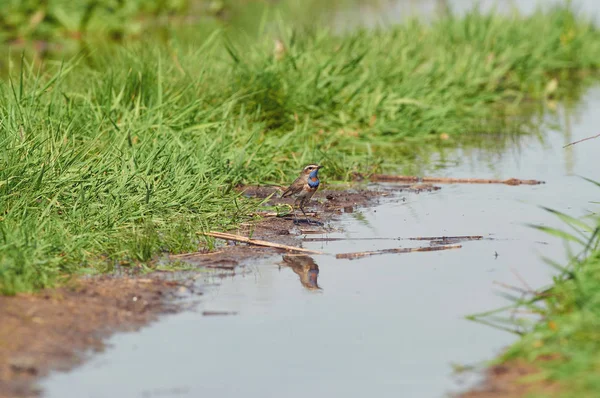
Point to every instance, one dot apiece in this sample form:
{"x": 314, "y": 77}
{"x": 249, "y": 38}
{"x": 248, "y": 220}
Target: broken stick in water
{"x": 340, "y": 239}
{"x": 351, "y": 256}
{"x": 585, "y": 139}
{"x": 431, "y": 238}
{"x": 256, "y": 242}
{"x": 447, "y": 180}
{"x": 453, "y": 238}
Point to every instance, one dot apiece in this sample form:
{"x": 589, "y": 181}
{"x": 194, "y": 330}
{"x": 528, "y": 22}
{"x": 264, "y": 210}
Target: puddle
{"x": 389, "y": 325}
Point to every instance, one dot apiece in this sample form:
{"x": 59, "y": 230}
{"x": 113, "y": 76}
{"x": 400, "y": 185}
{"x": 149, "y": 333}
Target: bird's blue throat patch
{"x": 313, "y": 179}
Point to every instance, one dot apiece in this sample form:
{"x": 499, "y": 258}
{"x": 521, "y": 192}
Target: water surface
{"x": 386, "y": 326}
{"x": 389, "y": 325}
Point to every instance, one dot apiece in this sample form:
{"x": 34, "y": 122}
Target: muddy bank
{"x": 52, "y": 329}
{"x": 325, "y": 206}
{"x": 514, "y": 379}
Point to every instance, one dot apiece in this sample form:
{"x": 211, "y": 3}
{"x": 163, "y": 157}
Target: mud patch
{"x": 513, "y": 379}
{"x": 51, "y": 329}
{"x": 284, "y": 230}
{"x": 325, "y": 206}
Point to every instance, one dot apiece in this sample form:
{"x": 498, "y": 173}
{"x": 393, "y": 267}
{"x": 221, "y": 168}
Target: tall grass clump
{"x": 129, "y": 151}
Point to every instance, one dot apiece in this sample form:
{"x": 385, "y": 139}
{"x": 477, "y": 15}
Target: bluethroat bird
{"x": 304, "y": 187}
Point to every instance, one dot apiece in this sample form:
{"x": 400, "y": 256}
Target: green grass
{"x": 564, "y": 341}
{"x": 124, "y": 153}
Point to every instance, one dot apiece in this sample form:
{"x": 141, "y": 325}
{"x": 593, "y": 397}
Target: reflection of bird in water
{"x": 305, "y": 267}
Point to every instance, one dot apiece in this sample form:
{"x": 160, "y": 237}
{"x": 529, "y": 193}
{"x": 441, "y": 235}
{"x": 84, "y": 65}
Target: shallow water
{"x": 388, "y": 325}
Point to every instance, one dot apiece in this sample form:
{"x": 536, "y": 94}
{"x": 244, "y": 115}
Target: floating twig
{"x": 256, "y": 242}
{"x": 447, "y": 180}
{"x": 431, "y": 238}
{"x": 342, "y": 239}
{"x": 229, "y": 265}
{"x": 214, "y": 313}
{"x": 585, "y": 139}
{"x": 352, "y": 256}
{"x": 453, "y": 238}
{"x": 312, "y": 231}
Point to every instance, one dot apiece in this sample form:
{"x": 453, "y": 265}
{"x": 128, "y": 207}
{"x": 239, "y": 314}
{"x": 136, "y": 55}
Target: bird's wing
{"x": 293, "y": 189}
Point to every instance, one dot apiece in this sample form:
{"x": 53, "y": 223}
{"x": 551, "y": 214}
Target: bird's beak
{"x": 319, "y": 167}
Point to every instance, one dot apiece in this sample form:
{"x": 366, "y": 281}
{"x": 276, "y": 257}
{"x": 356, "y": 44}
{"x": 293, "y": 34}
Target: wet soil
{"x": 53, "y": 329}
{"x": 325, "y": 206}
{"x": 514, "y": 379}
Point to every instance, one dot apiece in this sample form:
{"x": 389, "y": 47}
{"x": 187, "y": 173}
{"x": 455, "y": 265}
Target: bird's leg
{"x": 294, "y": 211}
{"x": 303, "y": 212}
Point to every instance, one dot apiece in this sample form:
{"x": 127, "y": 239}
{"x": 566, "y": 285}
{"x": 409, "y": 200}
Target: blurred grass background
{"x": 56, "y": 20}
